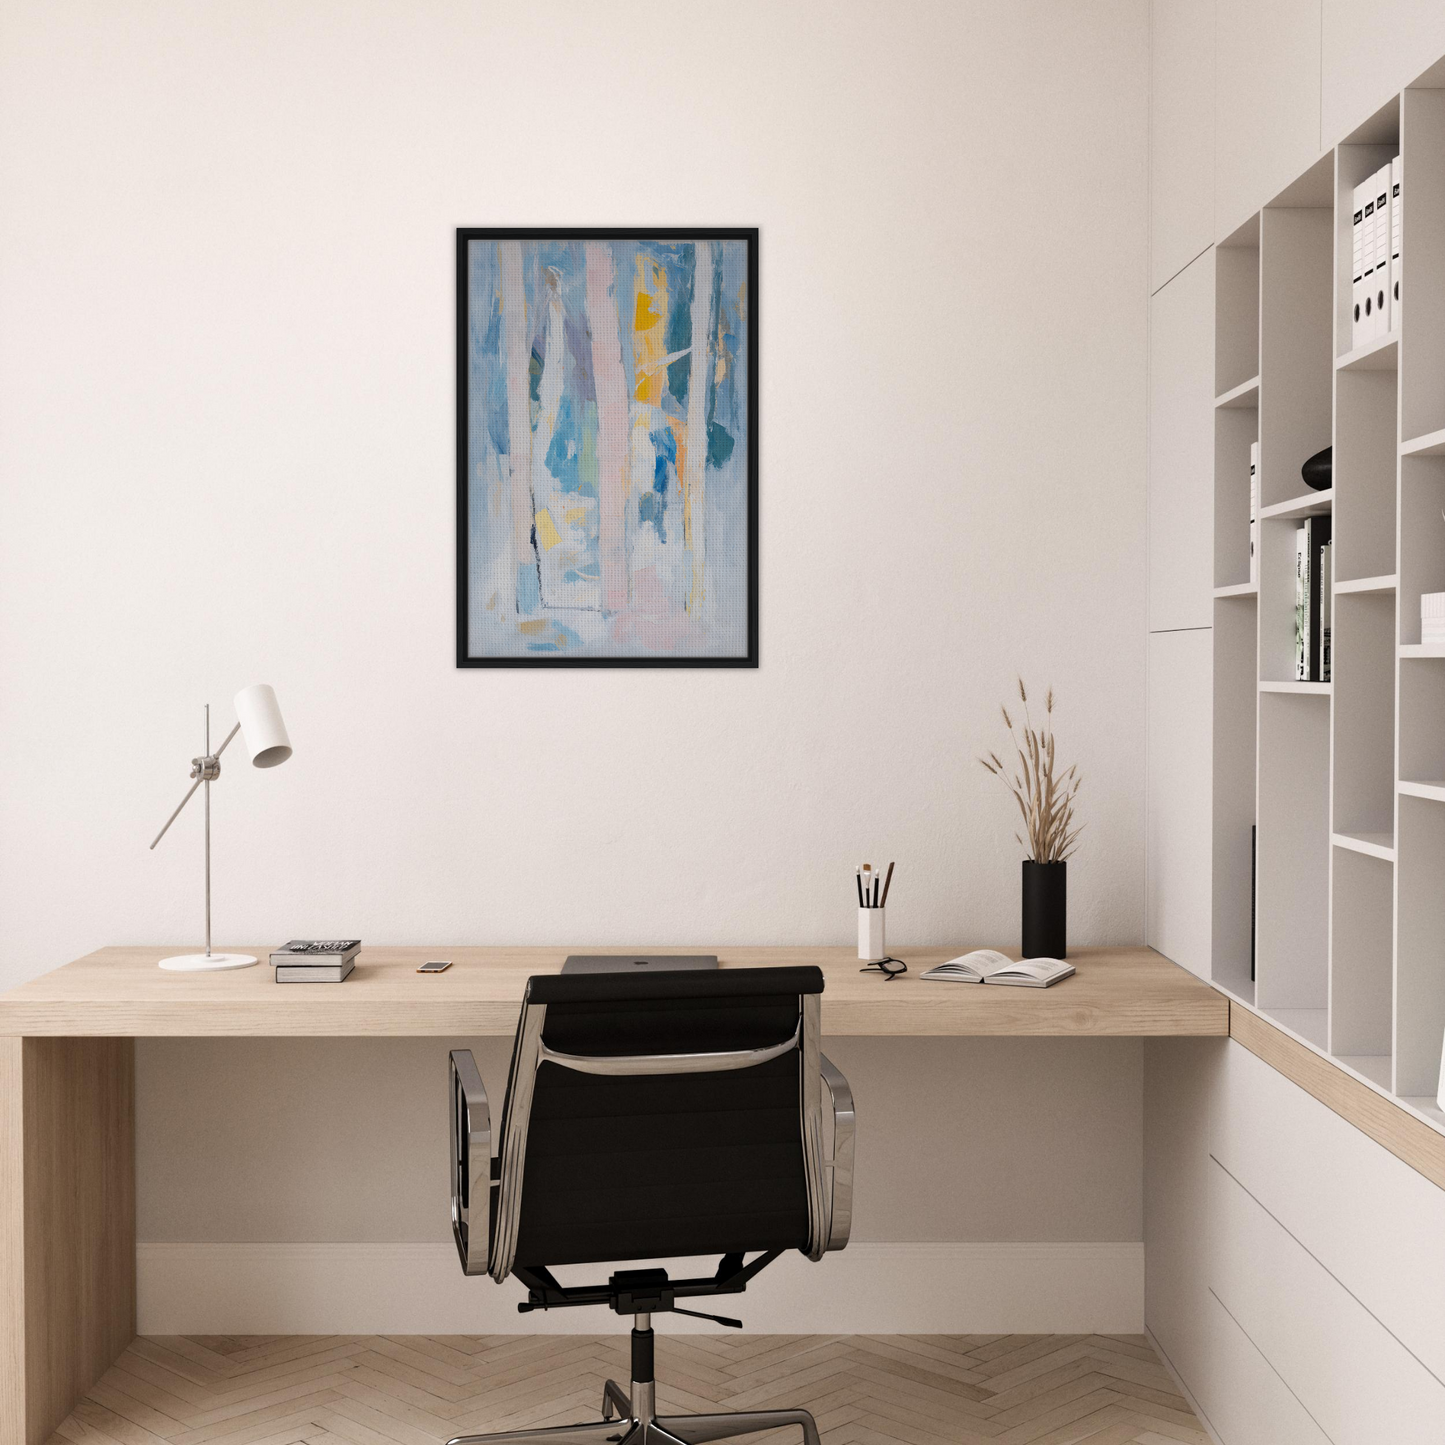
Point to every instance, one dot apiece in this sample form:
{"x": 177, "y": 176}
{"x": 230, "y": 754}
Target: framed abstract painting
{"x": 607, "y": 448}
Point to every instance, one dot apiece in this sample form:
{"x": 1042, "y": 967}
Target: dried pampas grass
{"x": 1046, "y": 801}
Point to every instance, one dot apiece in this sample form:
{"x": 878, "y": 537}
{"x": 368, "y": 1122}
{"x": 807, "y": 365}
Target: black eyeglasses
{"x": 890, "y": 968}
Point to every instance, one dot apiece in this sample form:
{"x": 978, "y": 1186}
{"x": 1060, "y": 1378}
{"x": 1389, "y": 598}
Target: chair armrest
{"x": 471, "y": 1129}
{"x": 840, "y": 1166}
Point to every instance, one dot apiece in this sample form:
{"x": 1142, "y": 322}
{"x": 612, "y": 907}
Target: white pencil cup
{"x": 871, "y": 946}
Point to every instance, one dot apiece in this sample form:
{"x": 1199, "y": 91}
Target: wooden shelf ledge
{"x": 1389, "y": 1120}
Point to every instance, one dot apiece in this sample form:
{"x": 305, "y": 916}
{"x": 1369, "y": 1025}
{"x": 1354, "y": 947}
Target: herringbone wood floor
{"x": 418, "y": 1390}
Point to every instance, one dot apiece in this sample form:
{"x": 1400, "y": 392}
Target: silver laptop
{"x": 637, "y": 962}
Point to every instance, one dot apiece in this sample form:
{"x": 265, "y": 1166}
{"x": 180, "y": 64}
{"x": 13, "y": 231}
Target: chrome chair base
{"x": 641, "y": 1427}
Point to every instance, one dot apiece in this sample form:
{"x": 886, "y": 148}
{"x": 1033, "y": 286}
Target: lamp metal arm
{"x": 204, "y": 770}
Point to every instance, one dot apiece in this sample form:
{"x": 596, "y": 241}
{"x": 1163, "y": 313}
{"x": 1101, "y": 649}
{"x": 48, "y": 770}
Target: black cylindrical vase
{"x": 1046, "y": 909}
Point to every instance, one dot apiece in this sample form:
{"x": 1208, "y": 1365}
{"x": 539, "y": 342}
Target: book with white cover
{"x": 1396, "y": 226}
{"x": 1301, "y": 606}
{"x": 1357, "y": 267}
{"x": 988, "y": 965}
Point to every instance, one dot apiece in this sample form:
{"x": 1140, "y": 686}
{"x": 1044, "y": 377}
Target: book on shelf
{"x": 1301, "y": 607}
{"x": 988, "y": 965}
{"x": 1254, "y": 514}
{"x": 314, "y": 972}
{"x": 1326, "y": 607}
{"x": 1311, "y": 538}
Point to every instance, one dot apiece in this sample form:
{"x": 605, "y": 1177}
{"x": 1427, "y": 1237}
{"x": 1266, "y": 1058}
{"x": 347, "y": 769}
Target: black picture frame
{"x": 467, "y": 234}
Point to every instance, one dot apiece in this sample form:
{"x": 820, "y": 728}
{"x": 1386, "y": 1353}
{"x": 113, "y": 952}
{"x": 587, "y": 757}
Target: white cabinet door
{"x": 1181, "y": 134}
{"x": 1370, "y": 52}
{"x": 1246, "y": 1401}
{"x": 1371, "y": 1220}
{"x": 1266, "y": 102}
{"x": 1181, "y": 450}
{"x": 1358, "y": 1382}
{"x": 1178, "y": 901}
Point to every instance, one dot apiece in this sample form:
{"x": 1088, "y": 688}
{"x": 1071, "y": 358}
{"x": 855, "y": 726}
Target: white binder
{"x": 1357, "y": 267}
{"x": 1367, "y": 323}
{"x": 1382, "y": 251}
{"x": 1396, "y": 224}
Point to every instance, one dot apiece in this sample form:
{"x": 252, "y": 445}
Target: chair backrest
{"x": 662, "y": 1115}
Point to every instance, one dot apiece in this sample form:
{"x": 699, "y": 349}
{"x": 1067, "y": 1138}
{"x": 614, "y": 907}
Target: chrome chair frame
{"x": 485, "y": 1227}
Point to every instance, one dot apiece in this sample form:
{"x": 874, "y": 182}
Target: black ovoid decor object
{"x": 1046, "y": 909}
{"x": 1319, "y": 471}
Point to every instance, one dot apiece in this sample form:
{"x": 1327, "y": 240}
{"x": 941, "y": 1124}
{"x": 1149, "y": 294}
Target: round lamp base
{"x": 207, "y": 962}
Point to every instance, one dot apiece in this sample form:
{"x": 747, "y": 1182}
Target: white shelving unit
{"x": 1344, "y": 781}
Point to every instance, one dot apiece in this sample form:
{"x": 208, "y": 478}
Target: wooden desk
{"x": 67, "y": 1090}
{"x": 119, "y": 992}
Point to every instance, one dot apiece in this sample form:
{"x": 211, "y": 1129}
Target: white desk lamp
{"x": 258, "y": 720}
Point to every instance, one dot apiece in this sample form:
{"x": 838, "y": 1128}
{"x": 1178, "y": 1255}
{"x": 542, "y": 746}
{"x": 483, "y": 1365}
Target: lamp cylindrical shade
{"x": 262, "y": 730}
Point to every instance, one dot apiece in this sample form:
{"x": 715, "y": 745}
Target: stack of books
{"x": 315, "y": 960}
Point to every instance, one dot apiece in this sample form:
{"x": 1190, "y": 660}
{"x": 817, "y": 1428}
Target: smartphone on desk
{"x": 435, "y": 965}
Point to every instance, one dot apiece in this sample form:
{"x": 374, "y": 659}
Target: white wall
{"x": 1014, "y": 1140}
{"x": 226, "y": 367}
{"x": 226, "y": 374}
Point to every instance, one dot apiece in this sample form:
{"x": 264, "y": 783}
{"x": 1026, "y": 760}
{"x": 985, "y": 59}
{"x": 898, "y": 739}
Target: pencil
{"x": 887, "y": 884}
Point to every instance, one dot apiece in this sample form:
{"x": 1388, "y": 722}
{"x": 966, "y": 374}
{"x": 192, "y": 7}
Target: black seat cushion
{"x": 651, "y": 1166}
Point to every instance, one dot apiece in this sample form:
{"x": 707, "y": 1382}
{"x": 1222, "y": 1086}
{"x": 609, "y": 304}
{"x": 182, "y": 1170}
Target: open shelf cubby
{"x": 1329, "y": 795}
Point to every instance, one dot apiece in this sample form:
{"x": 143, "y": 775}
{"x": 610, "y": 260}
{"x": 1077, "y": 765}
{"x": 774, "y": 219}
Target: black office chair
{"x": 650, "y": 1117}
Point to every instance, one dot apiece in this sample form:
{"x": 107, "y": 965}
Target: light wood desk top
{"x": 119, "y": 992}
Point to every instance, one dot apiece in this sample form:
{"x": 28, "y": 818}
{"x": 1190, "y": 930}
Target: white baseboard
{"x": 306, "y": 1289}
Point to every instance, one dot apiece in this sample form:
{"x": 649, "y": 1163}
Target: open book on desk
{"x": 987, "y": 965}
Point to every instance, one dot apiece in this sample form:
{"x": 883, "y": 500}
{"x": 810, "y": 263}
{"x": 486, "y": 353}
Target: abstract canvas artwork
{"x": 607, "y": 448}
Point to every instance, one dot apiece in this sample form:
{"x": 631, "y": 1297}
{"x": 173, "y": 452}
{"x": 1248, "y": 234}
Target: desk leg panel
{"x": 67, "y": 1211}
